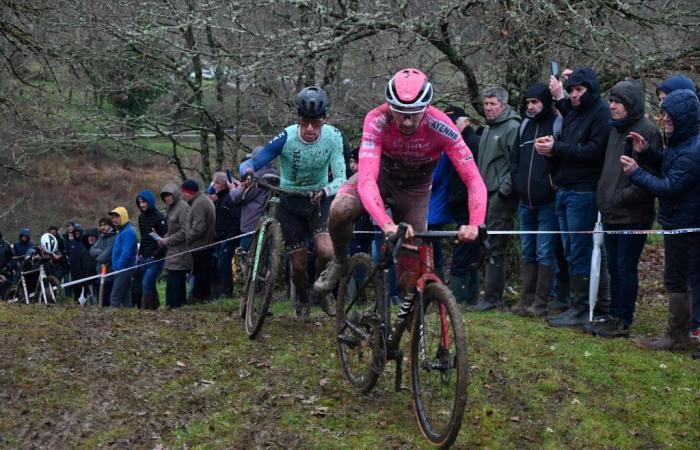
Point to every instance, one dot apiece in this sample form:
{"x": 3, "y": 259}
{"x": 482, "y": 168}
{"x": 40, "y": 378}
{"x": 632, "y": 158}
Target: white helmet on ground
{"x": 49, "y": 243}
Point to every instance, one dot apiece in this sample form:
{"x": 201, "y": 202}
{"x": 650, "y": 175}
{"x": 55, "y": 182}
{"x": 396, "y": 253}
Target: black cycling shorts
{"x": 301, "y": 219}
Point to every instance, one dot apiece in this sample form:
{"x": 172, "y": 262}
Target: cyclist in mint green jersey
{"x": 308, "y": 152}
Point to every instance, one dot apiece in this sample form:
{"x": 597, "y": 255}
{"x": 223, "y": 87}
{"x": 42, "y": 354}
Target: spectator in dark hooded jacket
{"x": 673, "y": 84}
{"x": 24, "y": 243}
{"x": 75, "y": 249}
{"x": 576, "y": 161}
{"x": 678, "y": 188}
{"x": 624, "y": 206}
{"x": 228, "y": 225}
{"x": 150, "y": 255}
{"x": 88, "y": 265}
{"x": 102, "y": 252}
{"x": 464, "y": 278}
{"x": 533, "y": 183}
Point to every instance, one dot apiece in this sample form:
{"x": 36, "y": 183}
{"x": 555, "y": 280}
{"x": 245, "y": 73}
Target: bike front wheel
{"x": 359, "y": 323}
{"x": 439, "y": 366}
{"x": 52, "y": 289}
{"x": 266, "y": 266}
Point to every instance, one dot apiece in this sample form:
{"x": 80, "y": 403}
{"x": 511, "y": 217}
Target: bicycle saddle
{"x": 272, "y": 179}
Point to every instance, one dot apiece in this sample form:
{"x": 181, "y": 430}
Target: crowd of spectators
{"x": 566, "y": 159}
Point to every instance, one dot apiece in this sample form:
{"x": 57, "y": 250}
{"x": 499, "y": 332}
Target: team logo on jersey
{"x": 444, "y": 129}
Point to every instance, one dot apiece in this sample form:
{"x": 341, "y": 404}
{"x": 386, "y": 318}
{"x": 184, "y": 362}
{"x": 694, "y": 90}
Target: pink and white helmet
{"x": 409, "y": 89}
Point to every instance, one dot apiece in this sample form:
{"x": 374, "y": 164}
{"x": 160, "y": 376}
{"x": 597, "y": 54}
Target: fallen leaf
{"x": 515, "y": 419}
{"x": 180, "y": 364}
{"x": 321, "y": 411}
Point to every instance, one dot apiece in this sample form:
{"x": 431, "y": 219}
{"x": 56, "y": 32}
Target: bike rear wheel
{"x": 15, "y": 294}
{"x": 439, "y": 375}
{"x": 360, "y": 310}
{"x": 267, "y": 269}
{"x": 53, "y": 289}
{"x": 245, "y": 275}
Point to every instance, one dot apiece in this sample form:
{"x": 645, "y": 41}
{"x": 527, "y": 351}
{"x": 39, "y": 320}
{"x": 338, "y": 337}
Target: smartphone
{"x": 229, "y": 176}
{"x": 554, "y": 68}
{"x": 629, "y": 150}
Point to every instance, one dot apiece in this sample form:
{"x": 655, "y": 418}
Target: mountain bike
{"x": 46, "y": 290}
{"x": 438, "y": 349}
{"x": 265, "y": 262}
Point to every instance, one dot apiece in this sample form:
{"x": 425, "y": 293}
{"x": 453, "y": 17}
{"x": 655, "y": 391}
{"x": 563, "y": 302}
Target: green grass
{"x": 77, "y": 378}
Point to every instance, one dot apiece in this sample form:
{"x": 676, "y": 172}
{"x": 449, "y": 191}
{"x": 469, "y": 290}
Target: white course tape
{"x": 516, "y": 232}
{"x": 96, "y": 277}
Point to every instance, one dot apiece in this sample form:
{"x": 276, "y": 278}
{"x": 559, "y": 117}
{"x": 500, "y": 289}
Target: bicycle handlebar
{"x": 272, "y": 188}
{"x": 397, "y": 239}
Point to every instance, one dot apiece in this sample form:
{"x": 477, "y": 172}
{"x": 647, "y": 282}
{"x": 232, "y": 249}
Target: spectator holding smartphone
{"x": 678, "y": 188}
{"x": 624, "y": 206}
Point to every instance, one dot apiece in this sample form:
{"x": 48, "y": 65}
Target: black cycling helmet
{"x": 312, "y": 103}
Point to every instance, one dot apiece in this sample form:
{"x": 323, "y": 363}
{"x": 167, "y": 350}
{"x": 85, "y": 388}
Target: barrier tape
{"x": 116, "y": 272}
{"x": 514, "y": 232}
{"x": 437, "y": 234}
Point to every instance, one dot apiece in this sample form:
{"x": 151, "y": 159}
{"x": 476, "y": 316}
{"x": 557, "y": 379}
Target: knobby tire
{"x": 359, "y": 324}
{"x": 51, "y": 283}
{"x": 269, "y": 268}
{"x": 439, "y": 394}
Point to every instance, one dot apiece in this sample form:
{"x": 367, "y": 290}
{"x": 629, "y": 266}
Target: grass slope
{"x": 74, "y": 377}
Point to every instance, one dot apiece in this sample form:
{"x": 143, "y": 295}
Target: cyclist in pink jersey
{"x": 401, "y": 143}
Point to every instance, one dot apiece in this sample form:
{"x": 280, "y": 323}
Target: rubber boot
{"x": 459, "y": 285}
{"x": 563, "y": 299}
{"x": 677, "y": 337}
{"x": 545, "y": 276}
{"x": 156, "y": 300}
{"x": 529, "y": 284}
{"x": 147, "y": 301}
{"x": 577, "y": 314}
{"x": 493, "y": 290}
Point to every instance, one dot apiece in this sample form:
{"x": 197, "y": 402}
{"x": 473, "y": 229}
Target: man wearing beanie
{"x": 199, "y": 232}
{"x": 576, "y": 161}
{"x": 624, "y": 206}
{"x": 533, "y": 183}
{"x": 123, "y": 257}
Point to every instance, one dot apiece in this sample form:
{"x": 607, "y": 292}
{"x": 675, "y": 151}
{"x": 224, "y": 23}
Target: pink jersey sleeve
{"x": 368, "y": 168}
{"x": 463, "y": 161}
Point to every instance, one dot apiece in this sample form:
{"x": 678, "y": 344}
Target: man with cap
{"x": 624, "y": 206}
{"x": 199, "y": 232}
{"x": 464, "y": 278}
{"x": 575, "y": 162}
{"x": 123, "y": 258}
{"x": 533, "y": 183}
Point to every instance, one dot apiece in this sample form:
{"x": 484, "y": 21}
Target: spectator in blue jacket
{"x": 24, "y": 242}
{"x": 673, "y": 83}
{"x": 678, "y": 190}
{"x": 123, "y": 257}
